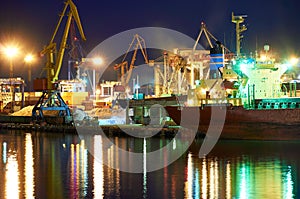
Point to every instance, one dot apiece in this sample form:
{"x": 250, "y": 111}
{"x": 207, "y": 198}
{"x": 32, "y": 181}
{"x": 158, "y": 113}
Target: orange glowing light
{"x": 29, "y": 58}
{"x": 11, "y": 51}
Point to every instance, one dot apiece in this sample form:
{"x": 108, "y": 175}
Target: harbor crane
{"x": 210, "y": 38}
{"x": 125, "y": 72}
{"x": 51, "y": 98}
{"x": 137, "y": 43}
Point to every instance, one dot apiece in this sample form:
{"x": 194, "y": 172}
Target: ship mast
{"x": 239, "y": 29}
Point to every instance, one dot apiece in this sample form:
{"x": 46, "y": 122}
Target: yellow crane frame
{"x": 53, "y": 66}
{"x": 51, "y": 98}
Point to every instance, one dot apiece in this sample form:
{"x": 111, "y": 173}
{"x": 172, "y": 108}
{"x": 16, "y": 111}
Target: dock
{"x": 25, "y": 123}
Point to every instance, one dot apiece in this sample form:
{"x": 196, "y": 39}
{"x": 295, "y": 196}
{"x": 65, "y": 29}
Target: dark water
{"x": 41, "y": 165}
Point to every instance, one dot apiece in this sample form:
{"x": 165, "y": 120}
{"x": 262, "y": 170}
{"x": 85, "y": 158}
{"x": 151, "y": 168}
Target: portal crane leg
{"x": 51, "y": 101}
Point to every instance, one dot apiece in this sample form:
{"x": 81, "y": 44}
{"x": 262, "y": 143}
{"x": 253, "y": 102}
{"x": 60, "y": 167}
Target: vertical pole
{"x": 29, "y": 77}
{"x": 69, "y": 70}
{"x": 12, "y": 88}
{"x": 201, "y": 70}
{"x": 165, "y": 74}
{"x": 123, "y": 74}
{"x": 248, "y": 96}
{"x": 22, "y": 90}
{"x": 156, "y": 81}
{"x": 13, "y": 98}
{"x": 137, "y": 86}
{"x": 133, "y": 86}
{"x": 1, "y": 102}
{"x": 295, "y": 89}
{"x": 179, "y": 81}
{"x": 192, "y": 82}
{"x": 253, "y": 95}
{"x": 127, "y": 121}
{"x": 238, "y": 44}
{"x": 94, "y": 83}
{"x": 11, "y": 69}
{"x": 78, "y": 73}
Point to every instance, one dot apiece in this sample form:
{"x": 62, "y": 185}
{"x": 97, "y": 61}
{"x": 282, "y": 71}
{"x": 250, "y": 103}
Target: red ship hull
{"x": 240, "y": 123}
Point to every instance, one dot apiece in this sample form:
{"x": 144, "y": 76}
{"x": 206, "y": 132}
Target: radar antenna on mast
{"x": 239, "y": 29}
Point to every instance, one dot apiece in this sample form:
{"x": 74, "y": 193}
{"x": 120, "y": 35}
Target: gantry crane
{"x": 137, "y": 43}
{"x": 51, "y": 99}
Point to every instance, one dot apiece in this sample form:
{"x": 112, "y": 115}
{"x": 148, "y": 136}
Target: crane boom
{"x": 140, "y": 43}
{"x": 137, "y": 43}
{"x": 208, "y": 36}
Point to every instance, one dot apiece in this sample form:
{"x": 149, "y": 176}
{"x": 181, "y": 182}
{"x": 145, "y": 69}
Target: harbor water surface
{"x": 49, "y": 165}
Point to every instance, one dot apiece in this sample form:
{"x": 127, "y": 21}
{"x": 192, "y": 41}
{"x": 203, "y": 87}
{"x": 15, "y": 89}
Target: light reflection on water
{"x": 12, "y": 182}
{"x": 98, "y": 168}
{"x": 29, "y": 165}
{"x": 40, "y": 165}
{"x": 79, "y": 166}
{"x": 246, "y": 176}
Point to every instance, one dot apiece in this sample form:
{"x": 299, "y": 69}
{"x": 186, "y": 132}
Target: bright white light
{"x": 11, "y": 51}
{"x": 29, "y": 58}
{"x": 98, "y": 91}
{"x": 263, "y": 57}
{"x": 288, "y": 182}
{"x": 293, "y": 60}
{"x": 243, "y": 67}
{"x": 97, "y": 60}
{"x": 4, "y": 152}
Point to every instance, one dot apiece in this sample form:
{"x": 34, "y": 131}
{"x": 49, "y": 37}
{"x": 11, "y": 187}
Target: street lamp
{"x": 11, "y": 52}
{"x": 97, "y": 61}
{"x": 29, "y": 58}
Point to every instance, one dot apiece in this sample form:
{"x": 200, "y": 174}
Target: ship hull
{"x": 239, "y": 123}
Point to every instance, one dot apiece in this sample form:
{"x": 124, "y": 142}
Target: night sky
{"x": 31, "y": 23}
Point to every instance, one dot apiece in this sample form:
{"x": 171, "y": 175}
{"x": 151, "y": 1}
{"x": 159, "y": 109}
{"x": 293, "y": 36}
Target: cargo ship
{"x": 246, "y": 124}
{"x": 255, "y": 103}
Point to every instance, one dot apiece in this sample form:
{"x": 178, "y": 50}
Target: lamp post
{"x": 11, "y": 52}
{"x": 29, "y": 58}
{"x": 97, "y": 61}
